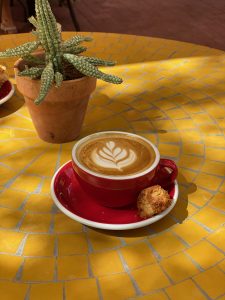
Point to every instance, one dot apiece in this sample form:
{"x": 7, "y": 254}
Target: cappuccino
{"x": 116, "y": 154}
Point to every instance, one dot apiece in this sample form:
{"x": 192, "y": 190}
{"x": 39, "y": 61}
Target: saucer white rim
{"x": 106, "y": 225}
{"x": 7, "y": 97}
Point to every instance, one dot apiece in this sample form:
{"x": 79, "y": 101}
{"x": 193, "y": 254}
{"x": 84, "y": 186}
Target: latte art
{"x": 116, "y": 154}
{"x": 113, "y": 157}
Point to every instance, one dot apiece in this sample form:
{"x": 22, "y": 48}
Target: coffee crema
{"x": 116, "y": 154}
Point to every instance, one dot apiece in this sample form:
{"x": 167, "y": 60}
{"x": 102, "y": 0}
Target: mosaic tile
{"x": 215, "y": 154}
{"x": 185, "y": 290}
{"x": 141, "y": 126}
{"x": 184, "y": 124}
{"x": 186, "y": 176}
{"x": 170, "y": 137}
{"x": 190, "y": 232}
{"x": 191, "y": 162}
{"x": 183, "y": 209}
{"x": 38, "y": 269}
{"x": 208, "y": 181}
{"x": 135, "y": 235}
{"x": 64, "y": 224}
{"x": 189, "y": 137}
{"x": 169, "y": 150}
{"x": 150, "y": 136}
{"x": 179, "y": 267}
{"x": 9, "y": 266}
{"x": 214, "y": 141}
{"x": 12, "y": 199}
{"x": 11, "y": 290}
{"x": 154, "y": 113}
{"x": 222, "y": 265}
{"x": 45, "y": 165}
{"x": 147, "y": 282}
{"x": 84, "y": 289}
{"x": 164, "y": 125}
{"x": 100, "y": 241}
{"x": 176, "y": 113}
{"x": 133, "y": 115}
{"x": 19, "y": 160}
{"x": 218, "y": 201}
{"x": 217, "y": 238}
{"x": 138, "y": 255}
{"x": 47, "y": 291}
{"x": 6, "y": 174}
{"x": 72, "y": 244}
{"x": 166, "y": 244}
{"x": 205, "y": 254}
{"x": 212, "y": 282}
{"x": 210, "y": 217}
{"x": 199, "y": 196}
{"x": 222, "y": 187}
{"x": 9, "y": 218}
{"x": 39, "y": 245}
{"x": 36, "y": 222}
{"x": 118, "y": 107}
{"x": 112, "y": 287}
{"x": 193, "y": 148}
{"x": 72, "y": 267}
{"x": 45, "y": 188}
{"x": 39, "y": 203}
{"x": 26, "y": 183}
{"x": 105, "y": 263}
{"x": 155, "y": 296}
{"x": 162, "y": 224}
{"x": 10, "y": 241}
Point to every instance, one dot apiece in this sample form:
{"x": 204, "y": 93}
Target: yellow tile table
{"x": 173, "y": 94}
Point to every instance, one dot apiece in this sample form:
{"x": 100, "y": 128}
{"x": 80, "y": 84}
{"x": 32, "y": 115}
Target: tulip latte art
{"x": 116, "y": 154}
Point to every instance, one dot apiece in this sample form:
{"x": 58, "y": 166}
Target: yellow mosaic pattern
{"x": 173, "y": 94}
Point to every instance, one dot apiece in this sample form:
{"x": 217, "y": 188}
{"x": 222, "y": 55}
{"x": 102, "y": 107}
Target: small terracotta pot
{"x": 59, "y": 118}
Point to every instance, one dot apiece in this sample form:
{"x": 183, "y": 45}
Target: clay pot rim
{"x": 16, "y": 68}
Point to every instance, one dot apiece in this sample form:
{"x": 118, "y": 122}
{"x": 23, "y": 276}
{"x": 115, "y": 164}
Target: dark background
{"x": 196, "y": 21}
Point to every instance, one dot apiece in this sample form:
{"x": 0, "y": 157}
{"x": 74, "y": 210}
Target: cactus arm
{"x": 47, "y": 78}
{"x": 58, "y": 79}
{"x": 33, "y": 21}
{"x": 75, "y": 41}
{"x": 49, "y": 33}
{"x": 31, "y": 72}
{"x": 99, "y": 62}
{"x": 21, "y": 50}
{"x": 74, "y": 50}
{"x": 44, "y": 35}
{"x": 78, "y": 50}
{"x": 83, "y": 66}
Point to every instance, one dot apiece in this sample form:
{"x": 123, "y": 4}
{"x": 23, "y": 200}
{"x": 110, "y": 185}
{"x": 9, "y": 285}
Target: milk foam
{"x": 116, "y": 154}
{"x": 111, "y": 156}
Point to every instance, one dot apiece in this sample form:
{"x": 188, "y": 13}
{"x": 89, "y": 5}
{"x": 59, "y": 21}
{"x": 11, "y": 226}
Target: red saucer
{"x": 6, "y": 91}
{"x": 72, "y": 200}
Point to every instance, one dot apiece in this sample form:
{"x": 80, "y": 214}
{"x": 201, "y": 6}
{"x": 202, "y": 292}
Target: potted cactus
{"x": 55, "y": 78}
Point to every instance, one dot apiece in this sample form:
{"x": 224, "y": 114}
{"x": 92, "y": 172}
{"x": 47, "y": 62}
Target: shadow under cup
{"x": 119, "y": 191}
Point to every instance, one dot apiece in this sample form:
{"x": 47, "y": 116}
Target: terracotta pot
{"x": 58, "y": 119}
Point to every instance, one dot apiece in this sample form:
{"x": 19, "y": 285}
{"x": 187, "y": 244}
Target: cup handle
{"x": 162, "y": 176}
{"x": 168, "y": 163}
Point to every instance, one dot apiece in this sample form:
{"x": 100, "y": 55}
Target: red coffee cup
{"x": 119, "y": 191}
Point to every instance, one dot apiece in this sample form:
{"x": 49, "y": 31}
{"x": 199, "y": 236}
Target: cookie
{"x": 152, "y": 200}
